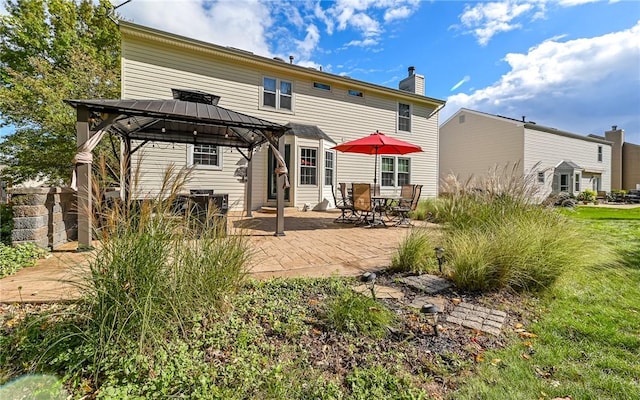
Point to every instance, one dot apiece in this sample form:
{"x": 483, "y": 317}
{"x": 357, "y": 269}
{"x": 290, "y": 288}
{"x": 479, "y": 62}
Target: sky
{"x": 573, "y": 65}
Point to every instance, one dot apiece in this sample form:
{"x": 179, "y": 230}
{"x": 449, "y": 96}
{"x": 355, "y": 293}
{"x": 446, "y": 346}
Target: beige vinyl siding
{"x": 151, "y": 69}
{"x": 478, "y": 144}
{"x": 551, "y": 149}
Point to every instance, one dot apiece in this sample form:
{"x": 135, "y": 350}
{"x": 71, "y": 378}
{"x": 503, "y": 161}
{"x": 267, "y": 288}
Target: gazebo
{"x": 190, "y": 117}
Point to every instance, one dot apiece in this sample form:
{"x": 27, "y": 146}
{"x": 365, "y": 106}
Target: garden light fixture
{"x": 370, "y": 278}
{"x": 440, "y": 256}
{"x": 431, "y": 312}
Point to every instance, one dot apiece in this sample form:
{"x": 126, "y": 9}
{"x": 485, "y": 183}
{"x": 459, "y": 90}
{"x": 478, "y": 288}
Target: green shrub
{"x": 496, "y": 237}
{"x": 358, "y": 314}
{"x": 587, "y": 195}
{"x": 6, "y": 223}
{"x": 415, "y": 253}
{"x": 14, "y": 258}
{"x": 522, "y": 248}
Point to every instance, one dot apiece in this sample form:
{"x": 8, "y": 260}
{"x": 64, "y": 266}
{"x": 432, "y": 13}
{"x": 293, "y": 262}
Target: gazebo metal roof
{"x": 183, "y": 121}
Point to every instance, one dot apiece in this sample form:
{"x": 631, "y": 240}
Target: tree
{"x": 51, "y": 50}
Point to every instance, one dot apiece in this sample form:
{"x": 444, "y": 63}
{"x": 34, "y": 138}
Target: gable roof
{"x": 246, "y": 57}
{"x": 532, "y": 126}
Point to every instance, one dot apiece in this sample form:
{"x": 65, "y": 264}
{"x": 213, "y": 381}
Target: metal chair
{"x": 344, "y": 204}
{"x": 403, "y": 210}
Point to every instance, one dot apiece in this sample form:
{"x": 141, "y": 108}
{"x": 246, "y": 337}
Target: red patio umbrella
{"x": 377, "y": 143}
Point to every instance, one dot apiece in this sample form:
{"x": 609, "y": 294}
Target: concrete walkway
{"x": 314, "y": 246}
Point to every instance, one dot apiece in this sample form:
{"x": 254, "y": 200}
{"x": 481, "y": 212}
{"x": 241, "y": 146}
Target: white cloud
{"x": 397, "y": 13}
{"x": 310, "y": 42}
{"x": 242, "y": 24}
{"x": 485, "y": 20}
{"x": 582, "y": 85}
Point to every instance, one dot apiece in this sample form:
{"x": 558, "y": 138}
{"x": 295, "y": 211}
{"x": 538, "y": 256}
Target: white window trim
{"x": 333, "y": 168}
{"x": 277, "y": 108}
{"x": 398, "y": 117}
{"x": 300, "y": 166}
{"x": 541, "y": 178}
{"x": 600, "y": 154}
{"x": 395, "y": 170}
{"x": 202, "y": 166}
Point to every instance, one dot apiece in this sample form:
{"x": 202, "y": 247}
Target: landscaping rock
{"x": 382, "y": 292}
{"x": 430, "y": 284}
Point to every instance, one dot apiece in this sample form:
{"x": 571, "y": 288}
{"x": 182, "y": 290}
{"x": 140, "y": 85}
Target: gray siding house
{"x": 472, "y": 142}
{"x": 321, "y": 110}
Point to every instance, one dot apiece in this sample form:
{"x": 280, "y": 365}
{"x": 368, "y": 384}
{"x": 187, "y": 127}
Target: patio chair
{"x": 403, "y": 210}
{"x": 362, "y": 201}
{"x": 344, "y": 204}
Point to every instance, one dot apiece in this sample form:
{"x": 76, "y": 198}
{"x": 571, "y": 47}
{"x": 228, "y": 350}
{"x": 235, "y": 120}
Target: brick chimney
{"x": 616, "y": 136}
{"x": 413, "y": 83}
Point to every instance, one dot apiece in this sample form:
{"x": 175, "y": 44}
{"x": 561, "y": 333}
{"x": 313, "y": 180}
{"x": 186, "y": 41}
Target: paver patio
{"x": 314, "y": 246}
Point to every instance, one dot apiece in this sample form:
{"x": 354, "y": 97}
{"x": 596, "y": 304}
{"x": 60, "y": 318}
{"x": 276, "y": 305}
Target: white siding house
{"x": 472, "y": 142}
{"x": 322, "y": 109}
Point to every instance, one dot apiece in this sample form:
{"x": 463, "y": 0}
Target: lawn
{"x": 314, "y": 338}
{"x": 587, "y": 343}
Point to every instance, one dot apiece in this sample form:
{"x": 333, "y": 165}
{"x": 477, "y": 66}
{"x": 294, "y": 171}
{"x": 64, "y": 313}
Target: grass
{"x": 592, "y": 213}
{"x": 588, "y": 343}
{"x": 359, "y": 315}
{"x": 415, "y": 253}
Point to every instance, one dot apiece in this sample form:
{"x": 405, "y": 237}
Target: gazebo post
{"x": 280, "y": 194}
{"x": 83, "y": 172}
{"x": 248, "y": 189}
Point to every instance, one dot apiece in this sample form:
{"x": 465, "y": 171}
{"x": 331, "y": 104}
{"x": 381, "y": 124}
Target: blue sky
{"x": 569, "y": 64}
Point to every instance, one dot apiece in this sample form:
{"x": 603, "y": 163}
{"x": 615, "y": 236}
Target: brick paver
{"x": 313, "y": 246}
{"x": 477, "y": 317}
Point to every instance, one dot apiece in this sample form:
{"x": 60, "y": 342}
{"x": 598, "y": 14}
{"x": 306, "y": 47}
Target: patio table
{"x": 382, "y": 204}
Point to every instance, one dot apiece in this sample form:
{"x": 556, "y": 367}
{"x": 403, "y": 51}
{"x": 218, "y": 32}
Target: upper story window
{"x": 599, "y": 153}
{"x": 308, "y": 166}
{"x": 205, "y": 155}
{"x": 404, "y": 117}
{"x": 329, "y": 167}
{"x": 355, "y": 93}
{"x": 322, "y": 86}
{"x": 277, "y": 93}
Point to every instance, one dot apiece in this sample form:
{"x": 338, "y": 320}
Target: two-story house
{"x": 321, "y": 110}
{"x": 473, "y": 142}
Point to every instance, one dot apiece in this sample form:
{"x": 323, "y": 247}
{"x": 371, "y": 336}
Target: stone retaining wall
{"x": 44, "y": 216}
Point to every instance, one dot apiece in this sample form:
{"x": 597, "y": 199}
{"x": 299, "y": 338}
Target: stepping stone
{"x": 477, "y": 317}
{"x": 419, "y": 301}
{"x": 382, "y": 292}
{"x": 430, "y": 284}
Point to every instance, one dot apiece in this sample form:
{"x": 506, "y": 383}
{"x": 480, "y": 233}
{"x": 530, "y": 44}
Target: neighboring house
{"x": 625, "y": 160}
{"x": 472, "y": 142}
{"x": 5, "y": 186}
{"x": 321, "y": 110}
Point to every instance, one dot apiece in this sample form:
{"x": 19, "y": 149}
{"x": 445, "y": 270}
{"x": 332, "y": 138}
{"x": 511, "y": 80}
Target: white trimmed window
{"x": 308, "y": 166}
{"x": 404, "y": 117}
{"x": 396, "y": 171}
{"x": 277, "y": 93}
{"x": 204, "y": 155}
{"x": 599, "y": 153}
{"x": 329, "y": 167}
{"x": 564, "y": 182}
{"x": 577, "y": 182}
{"x": 540, "y": 177}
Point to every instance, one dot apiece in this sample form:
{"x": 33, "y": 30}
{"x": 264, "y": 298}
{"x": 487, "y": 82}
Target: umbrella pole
{"x": 375, "y": 169}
